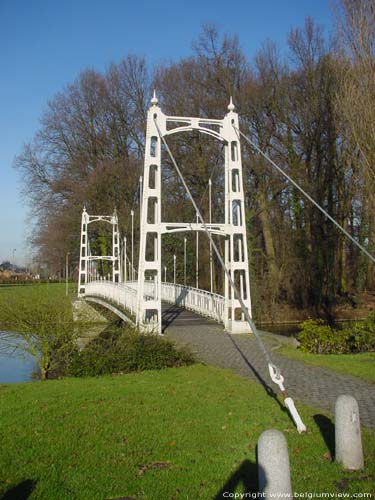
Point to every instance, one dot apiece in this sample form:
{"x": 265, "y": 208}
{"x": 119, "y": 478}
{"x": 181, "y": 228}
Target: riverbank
{"x": 38, "y": 321}
{"x": 285, "y": 317}
{"x": 356, "y": 365}
{"x": 175, "y": 433}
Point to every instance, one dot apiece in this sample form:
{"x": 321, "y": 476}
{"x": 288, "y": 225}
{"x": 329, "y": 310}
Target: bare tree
{"x": 356, "y": 106}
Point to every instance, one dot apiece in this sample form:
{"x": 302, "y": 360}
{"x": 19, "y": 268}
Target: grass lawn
{"x": 360, "y": 365}
{"x": 178, "y": 433}
{"x": 56, "y": 290}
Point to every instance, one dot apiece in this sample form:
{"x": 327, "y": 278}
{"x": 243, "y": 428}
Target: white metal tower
{"x": 86, "y": 259}
{"x": 152, "y": 228}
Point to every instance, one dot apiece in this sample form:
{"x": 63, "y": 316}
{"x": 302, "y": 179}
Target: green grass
{"x": 21, "y": 295}
{"x": 360, "y": 365}
{"x": 51, "y": 289}
{"x": 176, "y": 433}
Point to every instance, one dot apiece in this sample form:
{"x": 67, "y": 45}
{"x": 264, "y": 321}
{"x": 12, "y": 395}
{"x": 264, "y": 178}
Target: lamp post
{"x": 197, "y": 259}
{"x": 210, "y": 220}
{"x": 185, "y": 261}
{"x": 14, "y": 258}
{"x": 132, "y": 269}
{"x": 174, "y": 269}
{"x": 125, "y": 260}
{"x": 67, "y": 273}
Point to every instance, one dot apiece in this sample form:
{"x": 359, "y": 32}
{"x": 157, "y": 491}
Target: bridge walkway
{"x": 309, "y": 384}
{"x": 175, "y": 317}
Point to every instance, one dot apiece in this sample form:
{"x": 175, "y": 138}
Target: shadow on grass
{"x": 247, "y": 474}
{"x": 327, "y": 430}
{"x": 270, "y": 392}
{"x": 20, "y": 492}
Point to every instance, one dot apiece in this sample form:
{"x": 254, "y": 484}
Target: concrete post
{"x": 348, "y": 439}
{"x": 273, "y": 465}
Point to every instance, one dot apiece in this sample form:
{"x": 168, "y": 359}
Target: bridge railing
{"x": 119, "y": 293}
{"x": 200, "y": 301}
{"x": 210, "y": 305}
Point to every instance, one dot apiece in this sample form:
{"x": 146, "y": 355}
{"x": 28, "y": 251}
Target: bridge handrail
{"x": 210, "y": 305}
{"x": 119, "y": 293}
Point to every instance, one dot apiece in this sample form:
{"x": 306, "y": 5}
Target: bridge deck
{"x": 310, "y": 384}
{"x": 175, "y": 317}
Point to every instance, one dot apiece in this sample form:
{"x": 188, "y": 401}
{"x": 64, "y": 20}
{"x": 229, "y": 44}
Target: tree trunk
{"x": 273, "y": 272}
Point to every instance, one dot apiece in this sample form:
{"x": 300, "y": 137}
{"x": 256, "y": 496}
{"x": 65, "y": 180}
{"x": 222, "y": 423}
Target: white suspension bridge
{"x": 137, "y": 296}
{"x": 142, "y": 298}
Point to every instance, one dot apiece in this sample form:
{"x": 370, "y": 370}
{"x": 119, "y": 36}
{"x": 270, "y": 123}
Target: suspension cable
{"x": 210, "y": 179}
{"x": 316, "y": 204}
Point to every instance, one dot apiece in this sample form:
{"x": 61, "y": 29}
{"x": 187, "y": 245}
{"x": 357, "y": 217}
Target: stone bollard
{"x": 273, "y": 465}
{"x": 348, "y": 439}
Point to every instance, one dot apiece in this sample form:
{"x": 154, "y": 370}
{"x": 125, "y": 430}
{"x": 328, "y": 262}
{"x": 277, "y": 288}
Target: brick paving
{"x": 316, "y": 386}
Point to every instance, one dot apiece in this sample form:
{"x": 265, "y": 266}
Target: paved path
{"x": 312, "y": 385}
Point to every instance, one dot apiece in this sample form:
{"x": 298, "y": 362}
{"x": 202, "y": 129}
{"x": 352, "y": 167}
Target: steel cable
{"x": 316, "y": 204}
{"x": 274, "y": 371}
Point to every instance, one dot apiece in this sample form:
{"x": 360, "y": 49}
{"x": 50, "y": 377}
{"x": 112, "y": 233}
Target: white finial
{"x": 231, "y": 105}
{"x": 154, "y": 100}
{"x": 84, "y": 208}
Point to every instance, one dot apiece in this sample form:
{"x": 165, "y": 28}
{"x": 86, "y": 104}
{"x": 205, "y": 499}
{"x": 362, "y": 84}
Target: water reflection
{"x": 16, "y": 369}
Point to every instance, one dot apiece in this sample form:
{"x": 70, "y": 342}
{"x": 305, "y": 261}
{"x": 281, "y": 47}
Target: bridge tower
{"x": 233, "y": 230}
{"x": 236, "y": 253}
{"x": 83, "y": 253}
{"x": 85, "y": 257}
{"x": 149, "y": 308}
{"x": 116, "y": 261}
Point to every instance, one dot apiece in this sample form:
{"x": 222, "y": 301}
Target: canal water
{"x": 286, "y": 329}
{"x": 16, "y": 369}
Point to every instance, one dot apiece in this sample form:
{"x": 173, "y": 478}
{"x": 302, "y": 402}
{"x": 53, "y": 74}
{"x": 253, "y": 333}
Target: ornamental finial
{"x": 231, "y": 105}
{"x": 154, "y": 100}
{"x": 84, "y": 208}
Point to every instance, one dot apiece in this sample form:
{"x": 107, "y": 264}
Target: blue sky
{"x": 44, "y": 44}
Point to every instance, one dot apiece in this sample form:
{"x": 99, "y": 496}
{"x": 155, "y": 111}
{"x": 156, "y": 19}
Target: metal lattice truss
{"x": 152, "y": 227}
{"x": 87, "y": 270}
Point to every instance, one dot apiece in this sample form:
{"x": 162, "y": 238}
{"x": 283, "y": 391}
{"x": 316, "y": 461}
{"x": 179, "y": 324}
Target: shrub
{"x": 362, "y": 334}
{"x": 126, "y": 350}
{"x": 319, "y": 338}
{"x": 37, "y": 321}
